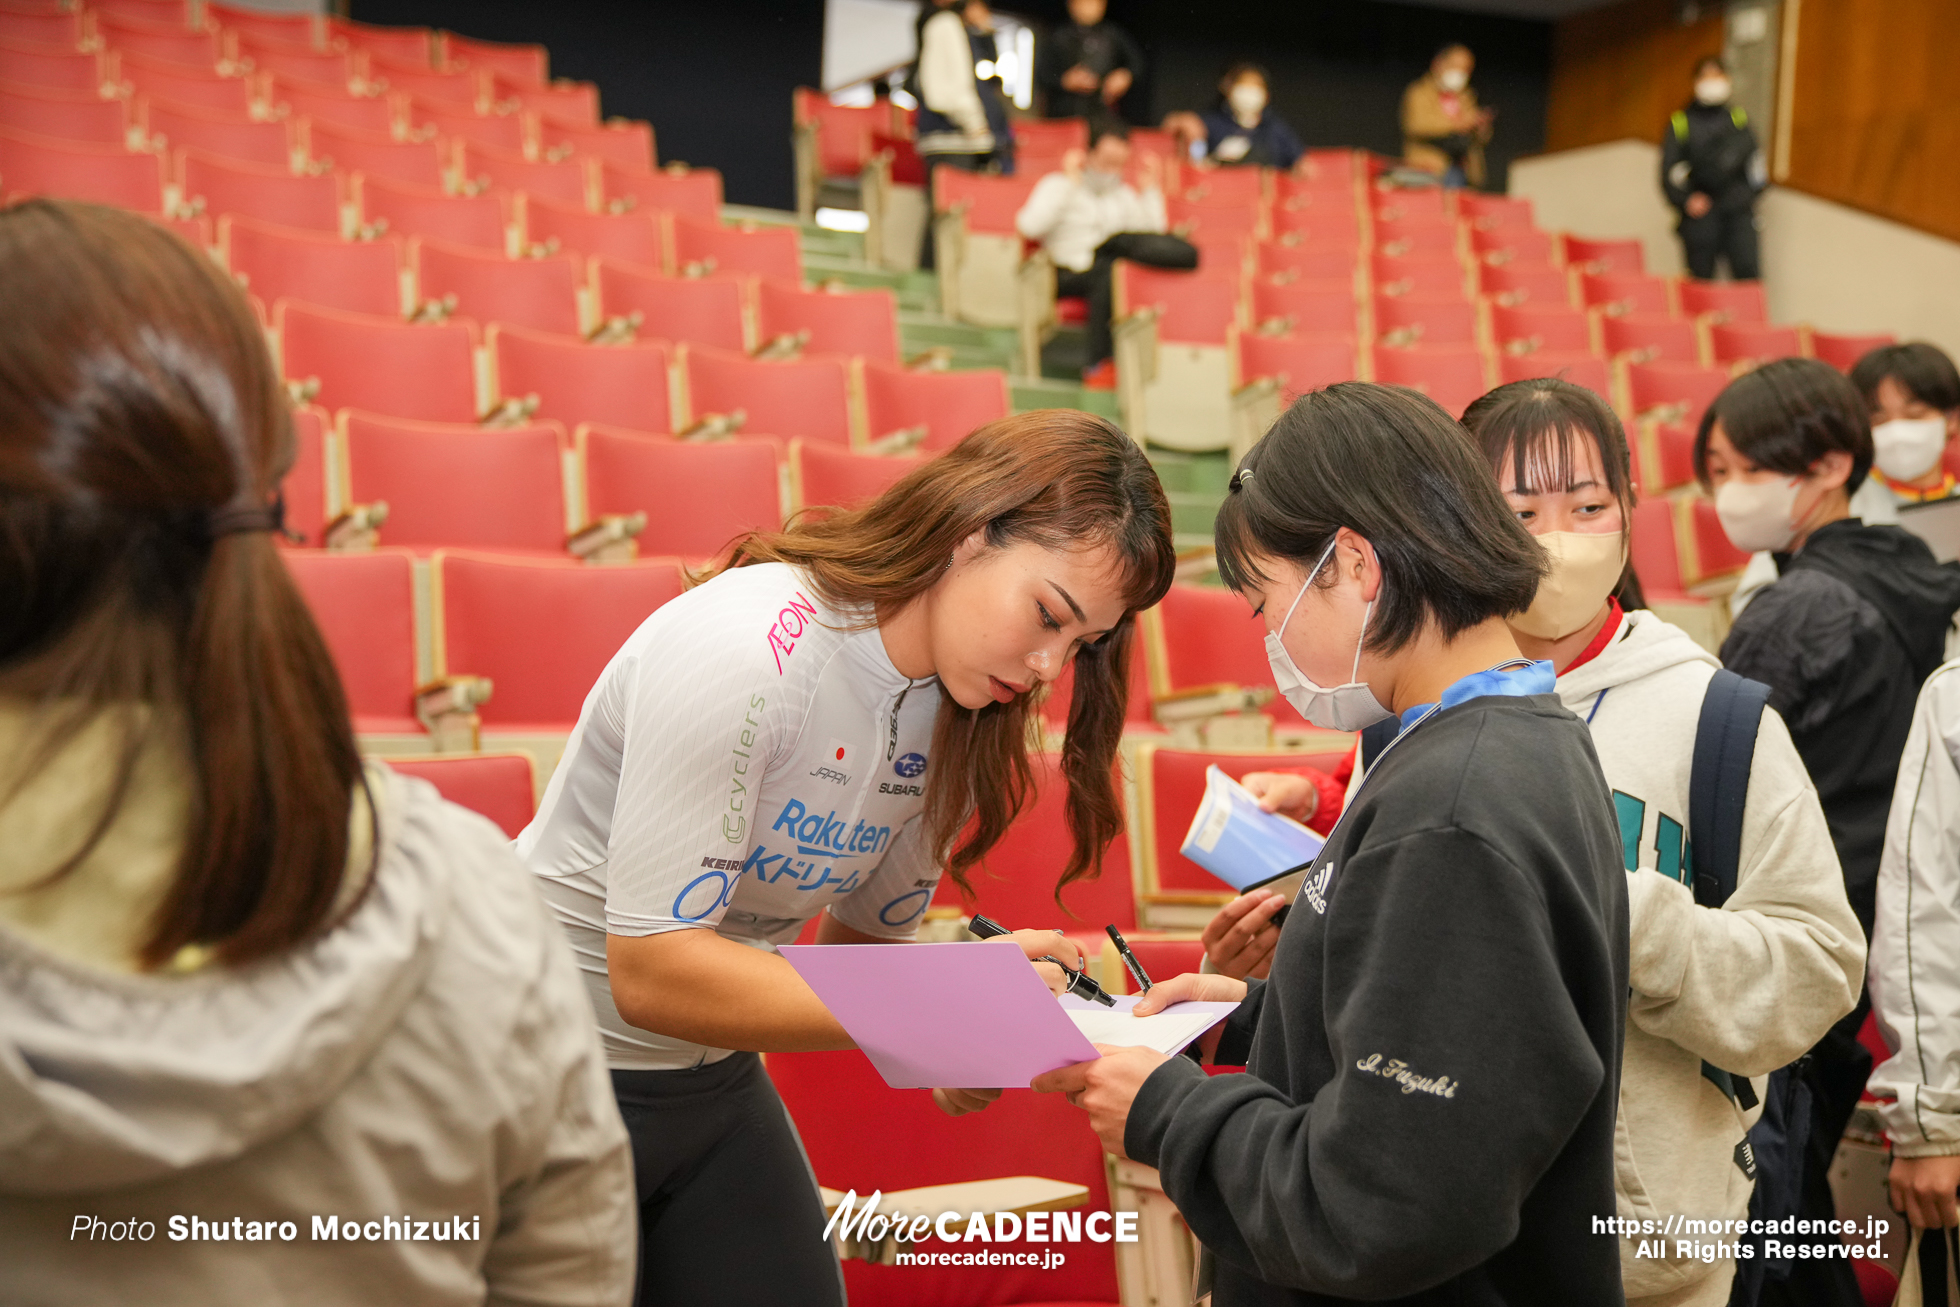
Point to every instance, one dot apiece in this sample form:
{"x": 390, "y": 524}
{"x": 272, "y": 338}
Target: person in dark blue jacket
{"x": 1242, "y": 130}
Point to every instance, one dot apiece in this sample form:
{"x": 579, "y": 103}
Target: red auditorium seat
{"x": 697, "y": 497}
{"x": 567, "y": 183}
{"x": 948, "y": 404}
{"x": 573, "y": 103}
{"x": 496, "y": 785}
{"x": 412, "y": 163}
{"x": 825, "y": 476}
{"x": 1658, "y": 385}
{"x": 1645, "y": 337}
{"x": 1731, "y": 301}
{"x": 1217, "y": 217}
{"x": 1318, "y": 212}
{"x": 332, "y": 105}
{"x": 364, "y": 605}
{"x": 1494, "y": 212}
{"x": 1732, "y": 342}
{"x": 630, "y": 237}
{"x": 64, "y": 115}
{"x": 1298, "y": 363}
{"x": 1401, "y": 205}
{"x": 289, "y": 263}
{"x": 1192, "y": 307}
{"x": 455, "y": 484}
{"x": 506, "y": 134}
{"x": 154, "y": 11}
{"x": 191, "y": 84}
{"x": 1430, "y": 321}
{"x": 1137, "y": 718}
{"x": 1016, "y": 884}
{"x": 833, "y": 1098}
{"x": 1452, "y": 375}
{"x": 219, "y": 186}
{"x": 55, "y": 27}
{"x": 690, "y": 192}
{"x": 172, "y": 41}
{"x": 1309, "y": 262}
{"x": 304, "y": 491}
{"x": 426, "y": 372}
{"x": 624, "y": 145}
{"x": 805, "y": 397}
{"x": 622, "y": 385}
{"x": 461, "y": 89}
{"x": 1596, "y": 256}
{"x": 697, "y": 310}
{"x": 228, "y": 136}
{"x": 541, "y": 629}
{"x": 1588, "y": 370}
{"x": 1843, "y": 351}
{"x": 53, "y": 68}
{"x": 327, "y": 67}
{"x": 74, "y": 170}
{"x": 477, "y": 222}
{"x": 1428, "y": 276}
{"x": 1664, "y": 456}
{"x": 1315, "y": 308}
{"x": 772, "y": 253}
{"x": 1525, "y": 283}
{"x": 1171, "y": 784}
{"x": 1524, "y": 245}
{"x": 857, "y": 322}
{"x": 541, "y": 294}
{"x": 1625, "y": 292}
{"x": 405, "y": 43}
{"x": 842, "y": 132}
{"x": 519, "y": 61}
{"x": 1417, "y": 239}
{"x": 303, "y": 29}
{"x": 1530, "y": 327}
{"x": 1202, "y": 635}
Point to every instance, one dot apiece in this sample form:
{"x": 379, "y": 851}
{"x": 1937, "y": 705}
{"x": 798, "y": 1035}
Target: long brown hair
{"x": 1056, "y": 478}
{"x": 143, "y": 433}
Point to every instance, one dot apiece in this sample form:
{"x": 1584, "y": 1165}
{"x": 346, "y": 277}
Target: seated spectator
{"x": 1857, "y": 620}
{"x": 1242, "y": 130}
{"x": 1087, "y": 217}
{"x": 252, "y": 984}
{"x": 1443, "y": 130}
{"x": 1913, "y": 392}
{"x": 1086, "y": 67}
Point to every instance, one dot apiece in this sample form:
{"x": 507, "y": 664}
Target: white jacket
{"x": 1749, "y": 987}
{"x": 1071, "y": 219}
{"x": 946, "y": 84}
{"x": 1915, "y": 966}
{"x": 432, "y": 1060}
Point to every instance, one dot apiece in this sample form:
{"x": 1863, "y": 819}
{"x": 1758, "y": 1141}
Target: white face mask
{"x": 1586, "y": 565}
{"x": 1248, "y": 99}
{"x": 1906, "y": 449}
{"x": 1347, "y": 707}
{"x": 1098, "y": 182}
{"x": 1756, "y": 515}
{"x": 1713, "y": 90}
{"x": 1455, "y": 79}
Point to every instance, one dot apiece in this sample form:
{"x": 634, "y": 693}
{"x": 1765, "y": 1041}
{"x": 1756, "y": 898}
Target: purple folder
{"x": 965, "y": 1016}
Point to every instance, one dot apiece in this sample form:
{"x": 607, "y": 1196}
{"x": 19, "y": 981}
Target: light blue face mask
{"x": 1347, "y": 707}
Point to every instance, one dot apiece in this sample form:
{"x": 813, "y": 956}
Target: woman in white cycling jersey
{"x": 822, "y": 727}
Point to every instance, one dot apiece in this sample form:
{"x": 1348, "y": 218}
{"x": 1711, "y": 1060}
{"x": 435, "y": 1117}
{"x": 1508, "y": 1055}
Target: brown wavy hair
{"x": 1057, "y": 478}
{"x": 143, "y": 435}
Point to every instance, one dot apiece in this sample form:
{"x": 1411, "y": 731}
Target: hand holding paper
{"x": 1236, "y": 840}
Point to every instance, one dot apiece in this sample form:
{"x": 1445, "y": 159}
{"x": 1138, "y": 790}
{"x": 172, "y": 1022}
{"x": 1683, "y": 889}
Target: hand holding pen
{"x": 1076, "y": 978}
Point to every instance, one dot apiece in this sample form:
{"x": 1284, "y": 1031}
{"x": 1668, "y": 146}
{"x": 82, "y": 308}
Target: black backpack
{"x": 1718, "y": 792}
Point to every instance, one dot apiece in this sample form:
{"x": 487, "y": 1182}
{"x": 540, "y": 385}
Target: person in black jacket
{"x": 1085, "y": 68}
{"x": 1856, "y": 621}
{"x": 1712, "y": 171}
{"x": 1433, "y": 1064}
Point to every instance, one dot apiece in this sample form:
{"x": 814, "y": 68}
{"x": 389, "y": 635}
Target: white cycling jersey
{"x": 744, "y": 761}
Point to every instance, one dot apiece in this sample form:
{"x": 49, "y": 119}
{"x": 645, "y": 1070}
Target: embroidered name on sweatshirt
{"x": 1396, "y": 1069}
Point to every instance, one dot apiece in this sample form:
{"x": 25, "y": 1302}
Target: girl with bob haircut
{"x": 1433, "y": 1061}
{"x": 820, "y": 729}
{"x": 1854, "y": 624}
{"x": 1913, "y": 393}
{"x": 1746, "y": 988}
{"x": 249, "y": 984}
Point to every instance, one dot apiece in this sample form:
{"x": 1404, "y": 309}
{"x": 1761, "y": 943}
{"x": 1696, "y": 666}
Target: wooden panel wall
{"x": 1875, "y": 108}
{"x": 1619, "y": 72}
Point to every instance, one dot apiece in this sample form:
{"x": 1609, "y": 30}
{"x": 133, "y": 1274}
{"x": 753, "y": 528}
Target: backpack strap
{"x": 1680, "y": 121}
{"x": 1718, "y": 794}
{"x": 1738, "y": 115}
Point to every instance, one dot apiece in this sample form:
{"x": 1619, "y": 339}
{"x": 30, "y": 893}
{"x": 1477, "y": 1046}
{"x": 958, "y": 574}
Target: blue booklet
{"x": 1231, "y": 838}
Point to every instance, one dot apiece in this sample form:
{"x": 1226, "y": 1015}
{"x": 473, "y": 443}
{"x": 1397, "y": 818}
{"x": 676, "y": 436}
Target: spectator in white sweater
{"x": 1086, "y": 217}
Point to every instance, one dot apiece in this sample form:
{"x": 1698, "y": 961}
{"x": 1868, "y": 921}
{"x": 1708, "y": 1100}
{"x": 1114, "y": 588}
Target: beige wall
{"x": 1837, "y": 268}
{"x": 1603, "y": 190}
